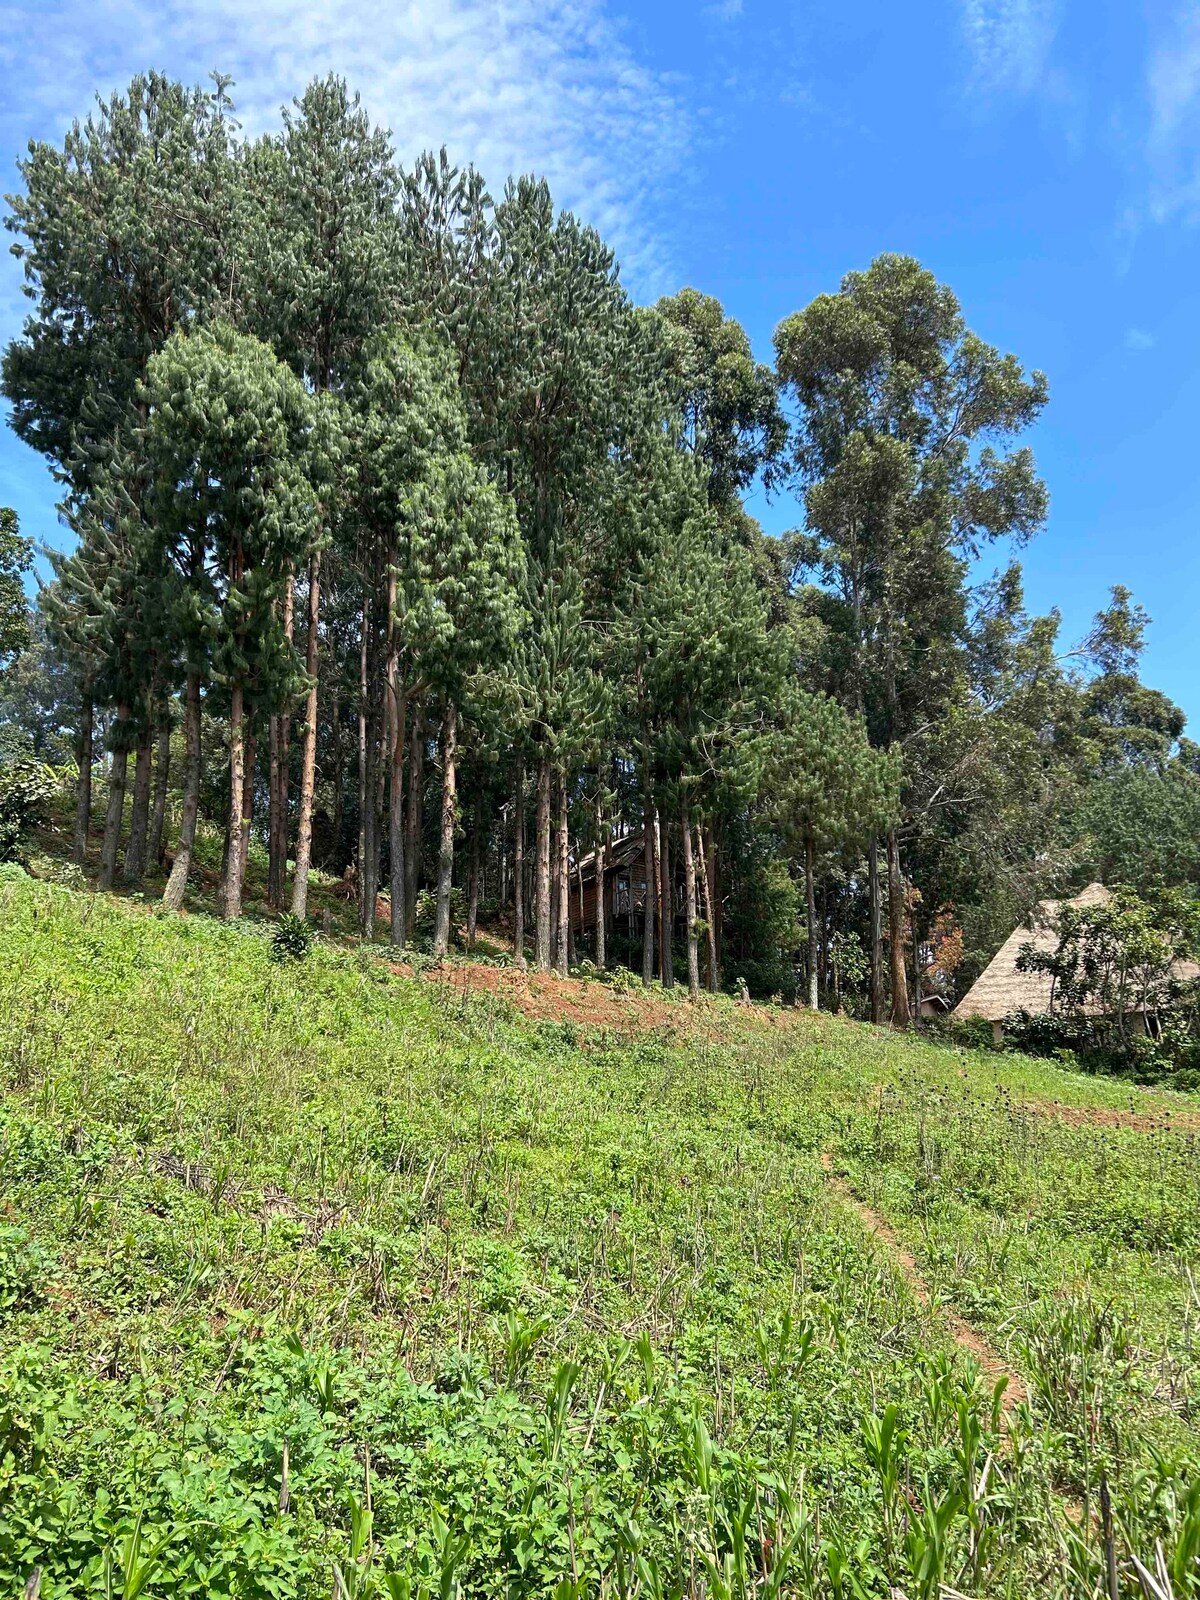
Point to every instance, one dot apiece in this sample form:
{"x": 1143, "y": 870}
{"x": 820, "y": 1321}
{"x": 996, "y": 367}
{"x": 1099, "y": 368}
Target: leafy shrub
{"x": 26, "y": 789}
{"x": 292, "y": 939}
{"x": 1096, "y": 1044}
{"x": 25, "y": 1268}
{"x": 764, "y": 978}
{"x": 968, "y": 1033}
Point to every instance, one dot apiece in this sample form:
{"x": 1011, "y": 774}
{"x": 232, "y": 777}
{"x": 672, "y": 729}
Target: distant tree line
{"x": 406, "y": 542}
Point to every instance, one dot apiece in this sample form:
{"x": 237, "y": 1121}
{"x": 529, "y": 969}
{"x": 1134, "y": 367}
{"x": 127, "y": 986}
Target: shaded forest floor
{"x": 518, "y": 1282}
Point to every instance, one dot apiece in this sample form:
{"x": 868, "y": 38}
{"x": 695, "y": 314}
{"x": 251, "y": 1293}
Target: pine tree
{"x": 228, "y": 499}
{"x": 321, "y": 263}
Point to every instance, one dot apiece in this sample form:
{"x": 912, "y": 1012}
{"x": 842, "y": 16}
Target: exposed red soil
{"x": 1112, "y": 1116}
{"x": 548, "y": 998}
{"x": 967, "y": 1338}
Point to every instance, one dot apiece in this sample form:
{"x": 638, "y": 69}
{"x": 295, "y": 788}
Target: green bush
{"x": 25, "y": 1269}
{"x": 26, "y": 789}
{"x": 292, "y": 939}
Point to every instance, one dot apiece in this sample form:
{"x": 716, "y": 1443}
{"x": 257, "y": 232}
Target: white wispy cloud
{"x": 550, "y": 86}
{"x": 1138, "y": 339}
{"x": 1009, "y": 42}
{"x": 1173, "y": 140}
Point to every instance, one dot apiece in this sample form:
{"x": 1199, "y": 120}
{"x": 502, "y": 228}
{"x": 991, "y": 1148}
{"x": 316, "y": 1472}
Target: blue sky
{"x": 1042, "y": 158}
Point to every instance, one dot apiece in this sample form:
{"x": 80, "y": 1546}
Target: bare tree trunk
{"x": 366, "y": 904}
{"x": 877, "y": 1007}
{"x": 810, "y": 906}
{"x": 83, "y": 806}
{"x": 710, "y": 915}
{"x": 651, "y": 873}
{"x": 231, "y": 892}
{"x": 553, "y": 880}
{"x": 667, "y": 904}
{"x": 441, "y": 931}
{"x": 162, "y": 773}
{"x": 247, "y": 797}
{"x": 901, "y": 1016}
{"x": 280, "y": 740}
{"x": 562, "y": 876}
{"x": 177, "y": 883}
{"x": 139, "y": 821}
{"x": 397, "y": 727}
{"x": 519, "y": 867}
{"x": 337, "y": 777}
{"x": 689, "y": 903}
{"x": 473, "y": 877}
{"x": 415, "y": 820}
{"x": 601, "y": 891}
{"x": 308, "y": 754}
{"x": 541, "y": 887}
{"x": 116, "y": 800}
{"x": 274, "y": 811}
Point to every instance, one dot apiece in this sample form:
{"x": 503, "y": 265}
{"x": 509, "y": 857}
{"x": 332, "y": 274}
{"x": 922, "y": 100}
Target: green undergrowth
{"x": 316, "y": 1279}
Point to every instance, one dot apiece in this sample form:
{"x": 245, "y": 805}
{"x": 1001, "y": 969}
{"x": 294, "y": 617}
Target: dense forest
{"x": 405, "y": 542}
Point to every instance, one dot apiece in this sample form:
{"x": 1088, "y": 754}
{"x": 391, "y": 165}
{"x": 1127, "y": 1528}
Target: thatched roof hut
{"x": 1001, "y": 989}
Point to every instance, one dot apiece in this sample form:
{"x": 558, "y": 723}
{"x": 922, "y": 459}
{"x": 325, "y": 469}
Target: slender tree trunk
{"x": 180, "y": 867}
{"x": 689, "y": 903}
{"x": 399, "y": 732}
{"x": 248, "y": 777}
{"x": 519, "y": 867}
{"x": 553, "y": 879}
{"x": 441, "y": 932}
{"x": 116, "y": 800}
{"x": 915, "y": 952}
{"x": 415, "y": 820}
{"x": 601, "y": 891}
{"x": 308, "y": 753}
{"x": 274, "y": 810}
{"x": 877, "y": 1006}
{"x": 473, "y": 876}
{"x": 651, "y": 872}
{"x": 667, "y": 902}
{"x": 366, "y": 908}
{"x": 280, "y": 740}
{"x": 337, "y": 777}
{"x": 810, "y": 906}
{"x": 139, "y": 820}
{"x": 709, "y": 912}
{"x": 562, "y": 883}
{"x": 231, "y": 893}
{"x": 394, "y": 718}
{"x": 541, "y": 888}
{"x": 279, "y": 836}
{"x": 162, "y": 773}
{"x": 83, "y": 805}
{"x": 900, "y": 1010}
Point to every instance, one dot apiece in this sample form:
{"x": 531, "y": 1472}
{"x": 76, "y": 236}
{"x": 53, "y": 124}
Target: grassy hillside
{"x": 321, "y": 1279}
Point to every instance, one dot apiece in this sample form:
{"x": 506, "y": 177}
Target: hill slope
{"x": 322, "y": 1279}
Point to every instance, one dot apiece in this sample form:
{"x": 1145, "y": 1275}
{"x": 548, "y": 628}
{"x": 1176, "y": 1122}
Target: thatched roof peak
{"x": 1000, "y": 988}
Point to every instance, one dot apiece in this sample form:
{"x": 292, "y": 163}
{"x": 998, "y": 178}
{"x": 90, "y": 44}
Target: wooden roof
{"x": 620, "y": 853}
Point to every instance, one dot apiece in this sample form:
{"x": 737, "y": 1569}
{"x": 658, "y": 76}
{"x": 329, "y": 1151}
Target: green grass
{"x": 528, "y": 1310}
